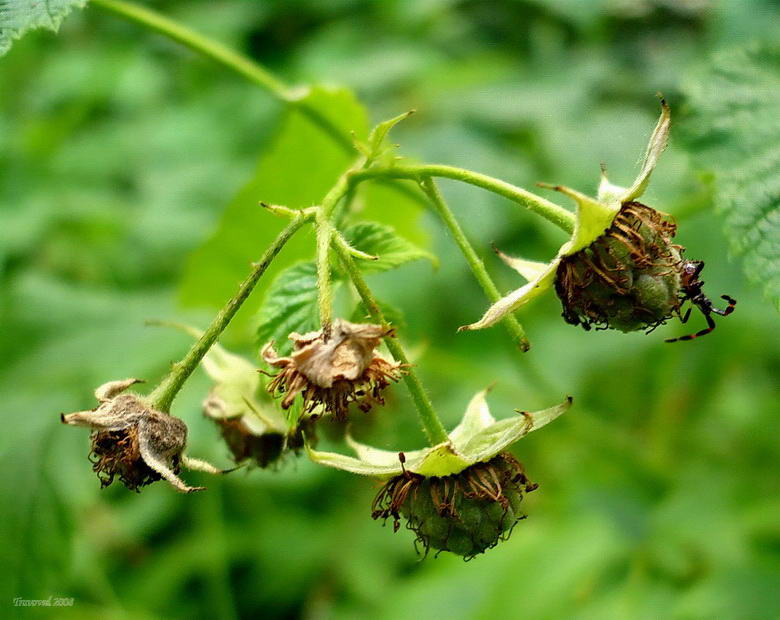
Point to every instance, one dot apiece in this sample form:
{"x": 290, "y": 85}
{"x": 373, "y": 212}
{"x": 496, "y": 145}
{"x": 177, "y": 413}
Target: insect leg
{"x": 732, "y": 302}
{"x": 706, "y": 330}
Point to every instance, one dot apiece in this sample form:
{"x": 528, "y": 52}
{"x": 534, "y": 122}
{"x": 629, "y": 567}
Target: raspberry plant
{"x": 619, "y": 269}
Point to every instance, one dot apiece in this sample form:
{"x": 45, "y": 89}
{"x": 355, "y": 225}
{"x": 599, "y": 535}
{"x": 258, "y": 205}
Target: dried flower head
{"x": 619, "y": 269}
{"x": 461, "y": 495}
{"x": 333, "y": 370}
{"x": 465, "y": 513}
{"x": 135, "y": 442}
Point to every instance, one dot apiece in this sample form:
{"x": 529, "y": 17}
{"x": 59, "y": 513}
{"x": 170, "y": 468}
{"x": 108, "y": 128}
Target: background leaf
{"x": 392, "y": 314}
{"x": 382, "y": 241}
{"x": 736, "y": 131}
{"x": 297, "y": 169}
{"x": 19, "y": 16}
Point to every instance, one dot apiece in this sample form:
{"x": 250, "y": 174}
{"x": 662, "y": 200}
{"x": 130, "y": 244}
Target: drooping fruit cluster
{"x": 627, "y": 279}
{"x": 465, "y": 513}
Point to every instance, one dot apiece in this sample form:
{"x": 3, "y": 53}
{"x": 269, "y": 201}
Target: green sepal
{"x": 477, "y": 438}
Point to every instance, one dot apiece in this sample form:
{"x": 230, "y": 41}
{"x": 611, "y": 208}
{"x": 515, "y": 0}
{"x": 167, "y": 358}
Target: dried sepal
{"x": 134, "y": 442}
{"x": 330, "y": 371}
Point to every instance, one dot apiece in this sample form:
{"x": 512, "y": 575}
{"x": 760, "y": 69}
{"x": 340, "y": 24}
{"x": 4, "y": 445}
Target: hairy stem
{"x": 432, "y": 426}
{"x": 163, "y": 395}
{"x": 516, "y": 330}
{"x": 227, "y": 57}
{"x": 324, "y": 239}
{"x": 548, "y": 210}
{"x": 324, "y": 289}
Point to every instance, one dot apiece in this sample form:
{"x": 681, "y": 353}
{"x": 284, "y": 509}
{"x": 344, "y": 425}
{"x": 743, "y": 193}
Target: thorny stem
{"x": 548, "y": 210}
{"x": 475, "y": 262}
{"x": 431, "y": 424}
{"x": 163, "y": 395}
{"x": 229, "y": 58}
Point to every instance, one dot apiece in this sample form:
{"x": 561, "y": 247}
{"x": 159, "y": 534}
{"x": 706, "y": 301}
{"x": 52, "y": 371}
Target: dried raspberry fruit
{"x": 134, "y": 442}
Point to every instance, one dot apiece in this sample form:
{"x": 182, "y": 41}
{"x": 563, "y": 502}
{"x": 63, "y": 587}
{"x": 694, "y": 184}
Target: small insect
{"x": 692, "y": 292}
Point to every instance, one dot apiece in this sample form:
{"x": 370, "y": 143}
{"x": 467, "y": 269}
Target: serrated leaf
{"x": 298, "y": 168}
{"x": 291, "y": 303}
{"x": 736, "y": 132}
{"x": 290, "y": 306}
{"x": 17, "y": 17}
{"x": 382, "y": 241}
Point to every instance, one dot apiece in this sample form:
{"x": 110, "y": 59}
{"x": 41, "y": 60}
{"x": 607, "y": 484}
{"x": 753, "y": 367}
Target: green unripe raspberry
{"x": 465, "y": 513}
{"x": 627, "y": 279}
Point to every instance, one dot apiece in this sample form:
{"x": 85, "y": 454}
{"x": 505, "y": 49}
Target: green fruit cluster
{"x": 465, "y": 513}
{"x": 628, "y": 279}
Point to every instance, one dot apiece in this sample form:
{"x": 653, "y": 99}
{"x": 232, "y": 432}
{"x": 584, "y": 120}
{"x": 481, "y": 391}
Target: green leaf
{"x": 289, "y": 306}
{"x": 378, "y": 135}
{"x": 17, "y": 17}
{"x": 382, "y": 241}
{"x": 297, "y": 169}
{"x": 736, "y": 133}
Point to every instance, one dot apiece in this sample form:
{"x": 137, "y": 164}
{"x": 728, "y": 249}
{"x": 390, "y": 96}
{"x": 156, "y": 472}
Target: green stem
{"x": 163, "y": 395}
{"x": 324, "y": 291}
{"x": 431, "y": 424}
{"x": 516, "y": 330}
{"x": 324, "y": 240}
{"x": 548, "y": 210}
{"x": 229, "y": 58}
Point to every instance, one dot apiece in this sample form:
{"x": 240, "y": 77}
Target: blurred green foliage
{"x": 129, "y": 177}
